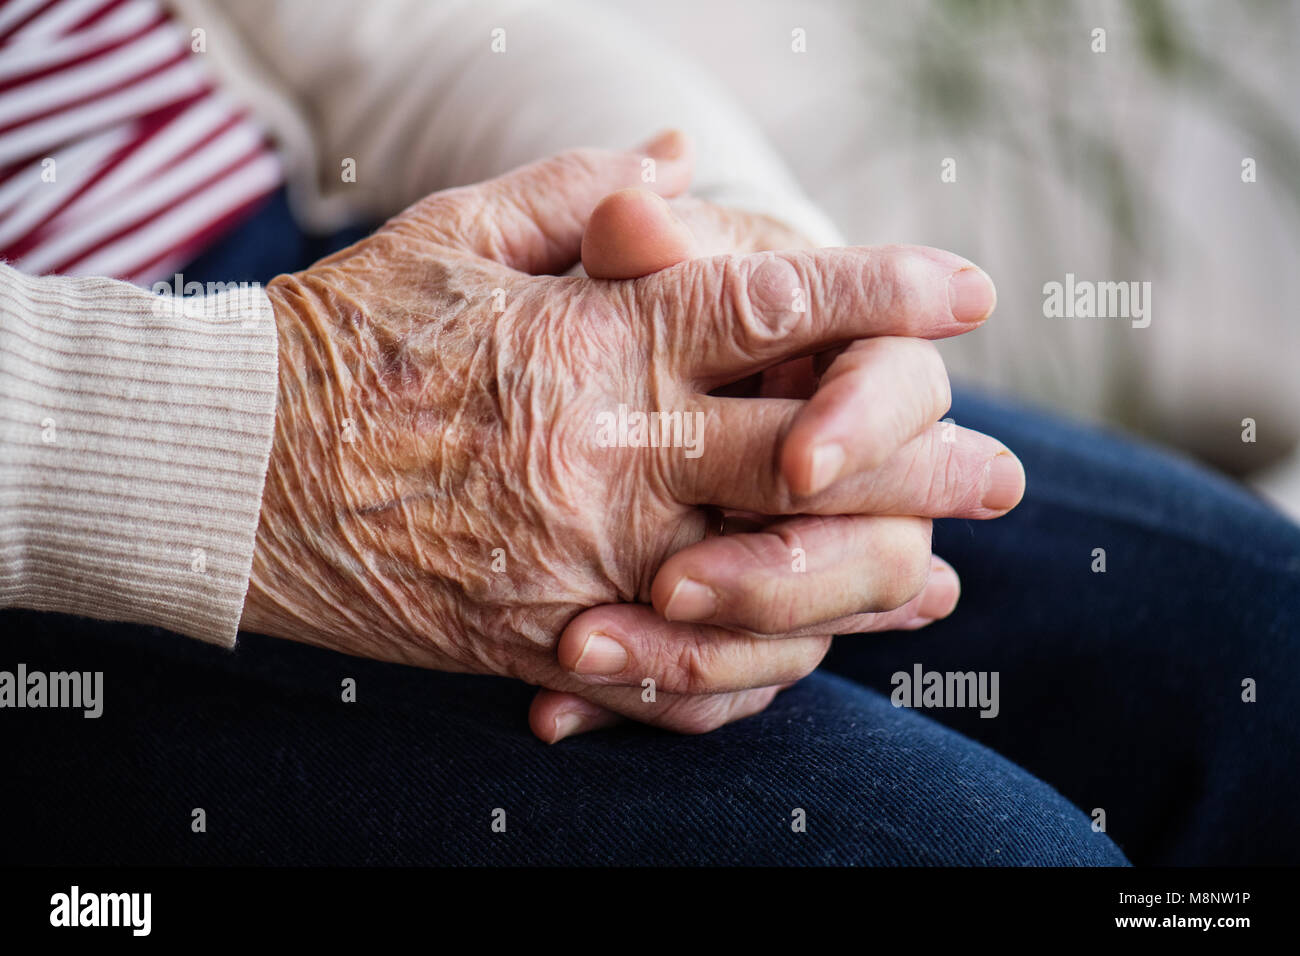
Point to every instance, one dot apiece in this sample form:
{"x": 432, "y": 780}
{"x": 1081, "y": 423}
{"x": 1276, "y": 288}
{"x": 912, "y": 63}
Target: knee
{"x": 859, "y": 782}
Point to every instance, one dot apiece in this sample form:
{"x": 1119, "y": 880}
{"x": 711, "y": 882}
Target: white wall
{"x": 849, "y": 116}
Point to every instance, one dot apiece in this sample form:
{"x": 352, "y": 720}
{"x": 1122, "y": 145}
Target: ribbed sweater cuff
{"x": 135, "y": 430}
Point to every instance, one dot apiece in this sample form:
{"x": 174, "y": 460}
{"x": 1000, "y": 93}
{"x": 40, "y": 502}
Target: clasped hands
{"x": 437, "y": 494}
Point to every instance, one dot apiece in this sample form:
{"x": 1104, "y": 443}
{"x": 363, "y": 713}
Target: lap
{"x": 416, "y": 769}
{"x": 1123, "y": 687}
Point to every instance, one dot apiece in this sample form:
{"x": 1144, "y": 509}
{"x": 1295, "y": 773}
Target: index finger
{"x": 730, "y": 316}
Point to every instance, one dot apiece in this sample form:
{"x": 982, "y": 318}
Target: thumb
{"x": 633, "y": 233}
{"x": 532, "y": 219}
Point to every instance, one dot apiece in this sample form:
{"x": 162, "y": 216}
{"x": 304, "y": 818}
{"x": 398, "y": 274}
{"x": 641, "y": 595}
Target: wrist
{"x": 265, "y": 601}
{"x": 315, "y": 564}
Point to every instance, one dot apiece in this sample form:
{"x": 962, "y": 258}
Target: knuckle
{"x": 771, "y": 298}
{"x": 767, "y": 603}
{"x": 584, "y": 161}
{"x": 782, "y": 614}
{"x": 757, "y": 600}
{"x": 784, "y": 538}
{"x": 762, "y": 605}
{"x": 691, "y": 672}
{"x": 909, "y": 564}
{"x": 439, "y": 218}
{"x": 506, "y": 230}
{"x": 949, "y": 484}
{"x": 745, "y": 609}
{"x": 890, "y": 280}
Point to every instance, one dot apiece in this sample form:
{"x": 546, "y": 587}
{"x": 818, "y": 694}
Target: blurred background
{"x": 1122, "y": 165}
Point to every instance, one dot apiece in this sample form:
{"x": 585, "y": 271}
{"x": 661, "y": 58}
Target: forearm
{"x": 135, "y": 436}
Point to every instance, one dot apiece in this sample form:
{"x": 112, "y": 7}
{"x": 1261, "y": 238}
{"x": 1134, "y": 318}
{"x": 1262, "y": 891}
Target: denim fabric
{"x": 412, "y": 772}
{"x": 1124, "y": 688}
{"x": 1119, "y": 691}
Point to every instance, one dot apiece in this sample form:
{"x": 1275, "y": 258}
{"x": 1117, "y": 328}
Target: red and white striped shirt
{"x": 118, "y": 155}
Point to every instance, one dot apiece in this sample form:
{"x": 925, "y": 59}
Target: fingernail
{"x": 691, "y": 601}
{"x": 567, "y": 723}
{"x": 941, "y": 593}
{"x": 1004, "y": 482}
{"x": 827, "y": 460}
{"x": 971, "y": 295}
{"x": 600, "y": 655}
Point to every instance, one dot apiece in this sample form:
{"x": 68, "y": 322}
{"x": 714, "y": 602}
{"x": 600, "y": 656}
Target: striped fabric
{"x": 118, "y": 155}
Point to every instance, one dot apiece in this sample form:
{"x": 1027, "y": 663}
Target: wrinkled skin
{"x": 436, "y": 495}
{"x": 471, "y": 431}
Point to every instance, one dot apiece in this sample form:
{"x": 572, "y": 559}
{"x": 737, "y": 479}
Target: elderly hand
{"x": 443, "y": 490}
{"x": 633, "y": 233}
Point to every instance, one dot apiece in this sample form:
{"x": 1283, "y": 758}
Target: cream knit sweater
{"x": 134, "y": 436}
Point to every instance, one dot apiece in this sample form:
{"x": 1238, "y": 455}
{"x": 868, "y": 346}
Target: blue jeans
{"x": 1120, "y": 701}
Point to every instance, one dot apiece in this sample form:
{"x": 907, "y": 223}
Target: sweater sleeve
{"x": 135, "y": 430}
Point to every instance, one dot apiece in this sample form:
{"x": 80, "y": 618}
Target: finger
{"x": 692, "y": 713}
{"x": 797, "y": 573}
{"x": 945, "y": 472}
{"x": 729, "y": 316}
{"x": 633, "y": 233}
{"x": 532, "y": 219}
{"x": 623, "y": 644}
{"x": 876, "y": 395}
{"x": 937, "y": 600}
{"x": 725, "y": 230}
{"x": 680, "y": 713}
{"x": 668, "y": 144}
{"x": 554, "y": 715}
